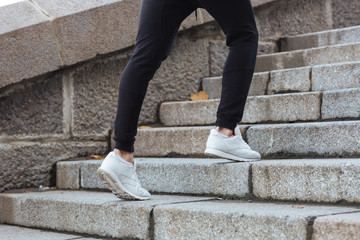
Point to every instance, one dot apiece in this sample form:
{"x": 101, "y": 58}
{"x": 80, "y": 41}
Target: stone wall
{"x": 58, "y": 92}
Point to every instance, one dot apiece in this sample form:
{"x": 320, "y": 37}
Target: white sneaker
{"x": 234, "y": 148}
{"x": 121, "y": 178}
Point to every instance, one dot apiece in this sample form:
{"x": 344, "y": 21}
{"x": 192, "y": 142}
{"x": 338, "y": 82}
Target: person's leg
{"x": 158, "y": 25}
{"x": 236, "y": 18}
{"x": 159, "y": 22}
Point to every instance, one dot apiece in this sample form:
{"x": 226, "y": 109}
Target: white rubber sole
{"x": 116, "y": 187}
{"x": 222, "y": 154}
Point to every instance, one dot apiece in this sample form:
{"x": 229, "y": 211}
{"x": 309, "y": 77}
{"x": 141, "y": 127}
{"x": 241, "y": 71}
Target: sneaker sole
{"x": 222, "y": 154}
{"x": 116, "y": 187}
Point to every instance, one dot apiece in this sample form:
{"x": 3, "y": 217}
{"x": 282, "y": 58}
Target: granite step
{"x": 176, "y": 217}
{"x": 315, "y": 139}
{"x": 303, "y": 79}
{"x": 307, "y": 180}
{"x": 292, "y": 107}
{"x": 9, "y": 232}
{"x": 308, "y": 57}
{"x": 320, "y": 39}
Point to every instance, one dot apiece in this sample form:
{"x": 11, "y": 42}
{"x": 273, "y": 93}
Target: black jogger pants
{"x": 158, "y": 25}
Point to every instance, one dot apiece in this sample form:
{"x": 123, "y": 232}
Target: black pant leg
{"x": 158, "y": 25}
{"x": 236, "y": 18}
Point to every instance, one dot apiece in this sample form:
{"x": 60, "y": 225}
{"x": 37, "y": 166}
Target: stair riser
{"x": 327, "y": 139}
{"x": 305, "y": 79}
{"x": 320, "y": 39}
{"x": 309, "y": 57}
{"x": 316, "y": 106}
{"x": 296, "y": 180}
{"x": 188, "y": 176}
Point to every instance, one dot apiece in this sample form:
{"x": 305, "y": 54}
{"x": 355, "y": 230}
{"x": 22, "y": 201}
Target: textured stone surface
{"x": 274, "y": 108}
{"x": 92, "y": 27}
{"x": 282, "y": 108}
{"x": 30, "y": 164}
{"x": 212, "y": 86}
{"x": 35, "y": 109}
{"x": 181, "y": 141}
{"x": 189, "y": 113}
{"x": 21, "y": 233}
{"x": 345, "y": 13}
{"x": 308, "y": 57}
{"x": 178, "y": 77}
{"x": 306, "y": 139}
{"x": 28, "y": 43}
{"x": 167, "y": 175}
{"x": 342, "y": 226}
{"x": 283, "y": 18}
{"x": 258, "y": 85}
{"x": 100, "y": 214}
{"x": 290, "y": 80}
{"x": 95, "y": 95}
{"x": 218, "y": 54}
{"x": 341, "y": 104}
{"x": 68, "y": 174}
{"x": 237, "y": 220}
{"x": 319, "y": 39}
{"x": 336, "y": 76}
{"x": 325, "y": 180}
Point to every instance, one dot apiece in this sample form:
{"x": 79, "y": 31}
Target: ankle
{"x": 225, "y": 131}
{"x": 127, "y": 156}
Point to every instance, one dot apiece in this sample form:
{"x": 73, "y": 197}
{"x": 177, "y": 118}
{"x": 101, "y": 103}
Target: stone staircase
{"x": 302, "y": 116}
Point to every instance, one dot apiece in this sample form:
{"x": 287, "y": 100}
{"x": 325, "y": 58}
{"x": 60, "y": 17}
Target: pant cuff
{"x": 124, "y": 146}
{"x": 226, "y": 124}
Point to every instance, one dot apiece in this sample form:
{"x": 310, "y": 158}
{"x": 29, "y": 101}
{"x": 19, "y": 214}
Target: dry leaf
{"x": 202, "y": 95}
{"x": 143, "y": 127}
{"x": 96, "y": 157}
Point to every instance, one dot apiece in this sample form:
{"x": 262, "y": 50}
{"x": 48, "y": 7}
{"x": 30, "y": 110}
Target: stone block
{"x": 342, "y": 226}
{"x": 180, "y": 175}
{"x": 237, "y": 220}
{"x": 212, "y": 85}
{"x": 68, "y": 174}
{"x": 290, "y": 80}
{"x": 178, "y": 77}
{"x": 282, "y": 108}
{"x": 194, "y": 176}
{"x": 36, "y": 108}
{"x": 31, "y": 164}
{"x": 336, "y": 76}
{"x": 95, "y": 93}
{"x": 341, "y": 104}
{"x": 328, "y": 139}
{"x": 218, "y": 54}
{"x": 176, "y": 141}
{"x": 189, "y": 113}
{"x": 315, "y": 180}
{"x": 284, "y": 18}
{"x": 28, "y": 43}
{"x": 345, "y": 13}
{"x": 92, "y": 27}
{"x": 94, "y": 213}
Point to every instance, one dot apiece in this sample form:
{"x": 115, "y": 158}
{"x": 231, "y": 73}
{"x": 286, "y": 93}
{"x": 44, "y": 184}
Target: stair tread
{"x": 9, "y": 232}
{"x": 103, "y": 214}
